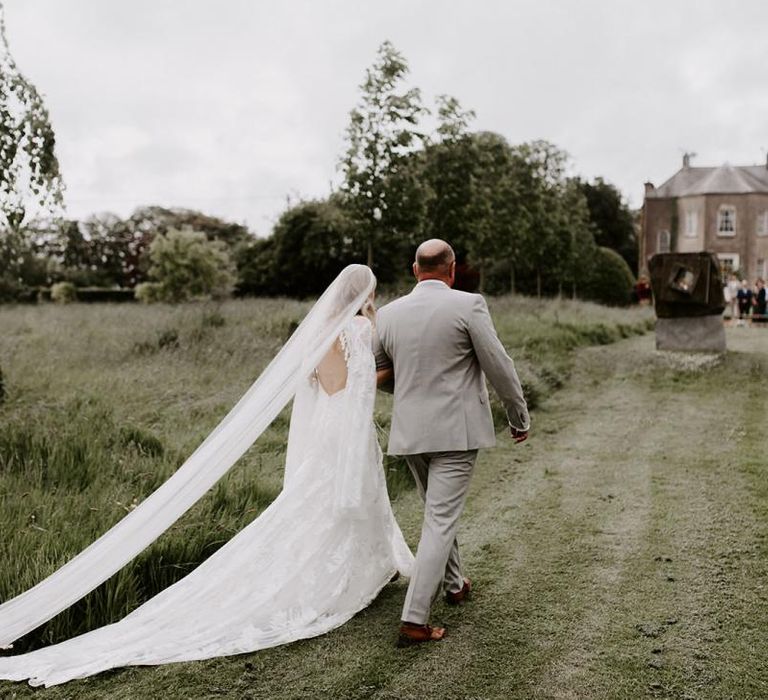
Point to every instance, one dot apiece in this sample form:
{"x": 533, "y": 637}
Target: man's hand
{"x": 518, "y": 435}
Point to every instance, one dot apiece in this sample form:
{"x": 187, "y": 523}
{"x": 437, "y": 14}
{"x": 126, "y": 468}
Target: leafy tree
{"x": 23, "y": 264}
{"x": 106, "y": 250}
{"x": 448, "y": 166}
{"x": 146, "y": 222}
{"x": 582, "y": 250}
{"x": 612, "y": 219}
{"x": 29, "y": 170}
{"x": 495, "y": 213}
{"x": 542, "y": 248}
{"x": 187, "y": 265}
{"x": 311, "y": 243}
{"x": 380, "y": 187}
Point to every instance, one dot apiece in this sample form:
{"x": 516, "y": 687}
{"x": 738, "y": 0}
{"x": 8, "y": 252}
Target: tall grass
{"x": 102, "y": 403}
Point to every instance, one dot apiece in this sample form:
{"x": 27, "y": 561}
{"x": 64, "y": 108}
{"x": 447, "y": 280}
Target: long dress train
{"x": 317, "y": 555}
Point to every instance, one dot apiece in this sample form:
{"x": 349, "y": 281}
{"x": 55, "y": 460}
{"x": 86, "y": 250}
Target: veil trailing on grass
{"x": 258, "y": 407}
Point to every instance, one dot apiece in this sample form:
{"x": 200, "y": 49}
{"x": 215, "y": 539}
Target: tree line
{"x": 510, "y": 211}
{"x": 516, "y": 220}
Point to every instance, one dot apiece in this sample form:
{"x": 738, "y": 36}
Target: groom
{"x": 441, "y": 343}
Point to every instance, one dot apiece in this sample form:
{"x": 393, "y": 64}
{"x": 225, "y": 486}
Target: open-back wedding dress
{"x": 317, "y": 555}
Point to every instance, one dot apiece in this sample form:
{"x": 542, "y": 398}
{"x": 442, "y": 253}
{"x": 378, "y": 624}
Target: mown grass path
{"x": 621, "y": 553}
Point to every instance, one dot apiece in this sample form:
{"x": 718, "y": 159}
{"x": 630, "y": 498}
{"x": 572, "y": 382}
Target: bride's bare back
{"x": 331, "y": 371}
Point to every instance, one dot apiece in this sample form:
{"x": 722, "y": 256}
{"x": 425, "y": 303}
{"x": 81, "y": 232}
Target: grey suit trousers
{"x": 442, "y": 479}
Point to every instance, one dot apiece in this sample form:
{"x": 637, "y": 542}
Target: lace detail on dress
{"x": 344, "y": 342}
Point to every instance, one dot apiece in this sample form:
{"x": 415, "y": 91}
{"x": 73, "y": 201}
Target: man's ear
{"x": 452, "y": 273}
{"x": 415, "y": 270}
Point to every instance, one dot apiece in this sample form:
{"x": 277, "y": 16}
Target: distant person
{"x": 732, "y": 296}
{"x": 467, "y": 277}
{"x": 744, "y": 298}
{"x": 759, "y": 308}
{"x": 643, "y": 290}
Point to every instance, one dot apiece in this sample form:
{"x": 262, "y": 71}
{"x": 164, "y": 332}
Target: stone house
{"x": 723, "y": 210}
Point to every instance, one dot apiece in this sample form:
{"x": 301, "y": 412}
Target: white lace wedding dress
{"x": 317, "y": 555}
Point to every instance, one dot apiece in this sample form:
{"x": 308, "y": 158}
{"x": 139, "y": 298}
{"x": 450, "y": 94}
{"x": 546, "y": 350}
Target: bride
{"x": 317, "y": 555}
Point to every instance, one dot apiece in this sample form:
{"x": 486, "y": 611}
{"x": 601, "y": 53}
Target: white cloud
{"x": 231, "y": 106}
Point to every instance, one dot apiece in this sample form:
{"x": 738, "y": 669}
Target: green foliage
{"x": 310, "y": 245}
{"x": 29, "y": 170}
{"x": 610, "y": 280}
{"x": 189, "y": 266}
{"x": 63, "y": 292}
{"x": 148, "y": 292}
{"x": 611, "y": 219}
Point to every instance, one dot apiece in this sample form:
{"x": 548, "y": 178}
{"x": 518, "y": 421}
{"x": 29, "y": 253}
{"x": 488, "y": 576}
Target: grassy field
{"x": 102, "y": 403}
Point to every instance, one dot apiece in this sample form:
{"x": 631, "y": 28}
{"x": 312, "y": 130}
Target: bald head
{"x": 435, "y": 259}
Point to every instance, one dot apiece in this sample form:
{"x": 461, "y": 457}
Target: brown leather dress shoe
{"x": 460, "y": 597}
{"x": 411, "y": 634}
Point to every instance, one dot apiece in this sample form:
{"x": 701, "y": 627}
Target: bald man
{"x": 439, "y": 344}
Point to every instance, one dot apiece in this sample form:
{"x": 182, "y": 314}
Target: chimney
{"x": 766, "y": 161}
{"x": 686, "y": 160}
{"x": 649, "y": 188}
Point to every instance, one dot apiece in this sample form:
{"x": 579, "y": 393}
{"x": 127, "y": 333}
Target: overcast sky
{"x": 230, "y": 106}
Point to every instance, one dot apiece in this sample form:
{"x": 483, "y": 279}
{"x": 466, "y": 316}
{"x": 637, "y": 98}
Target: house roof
{"x": 725, "y": 179}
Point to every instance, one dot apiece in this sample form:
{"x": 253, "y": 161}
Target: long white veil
{"x": 258, "y": 407}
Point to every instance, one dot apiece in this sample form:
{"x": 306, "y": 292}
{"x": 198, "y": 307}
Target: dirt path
{"x": 625, "y": 555}
{"x": 622, "y": 553}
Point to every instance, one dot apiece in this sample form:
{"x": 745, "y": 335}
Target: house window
{"x": 729, "y": 263}
{"x": 761, "y": 226}
{"x": 726, "y": 221}
{"x": 691, "y": 224}
{"x": 664, "y": 242}
{"x": 760, "y": 268}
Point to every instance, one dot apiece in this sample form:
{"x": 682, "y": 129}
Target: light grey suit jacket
{"x": 441, "y": 343}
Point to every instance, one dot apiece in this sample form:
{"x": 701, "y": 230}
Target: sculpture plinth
{"x": 689, "y": 302}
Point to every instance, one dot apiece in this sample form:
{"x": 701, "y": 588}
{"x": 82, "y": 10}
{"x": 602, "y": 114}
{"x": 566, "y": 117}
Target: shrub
{"x": 189, "y": 266}
{"x": 610, "y": 280}
{"x": 147, "y": 292}
{"x": 12, "y": 290}
{"x": 63, "y": 292}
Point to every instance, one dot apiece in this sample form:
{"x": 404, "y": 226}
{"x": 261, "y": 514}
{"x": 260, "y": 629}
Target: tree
{"x": 496, "y": 215}
{"x": 29, "y": 170}
{"x": 448, "y": 166}
{"x": 379, "y": 187}
{"x": 311, "y": 243}
{"x": 544, "y": 242}
{"x": 577, "y": 230}
{"x": 612, "y": 219}
{"x": 187, "y": 265}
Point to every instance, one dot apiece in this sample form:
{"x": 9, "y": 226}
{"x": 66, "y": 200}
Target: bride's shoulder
{"x": 360, "y": 323}
{"x": 359, "y": 327}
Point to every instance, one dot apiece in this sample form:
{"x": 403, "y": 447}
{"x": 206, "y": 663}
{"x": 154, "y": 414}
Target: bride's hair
{"x": 356, "y": 279}
{"x": 368, "y": 309}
